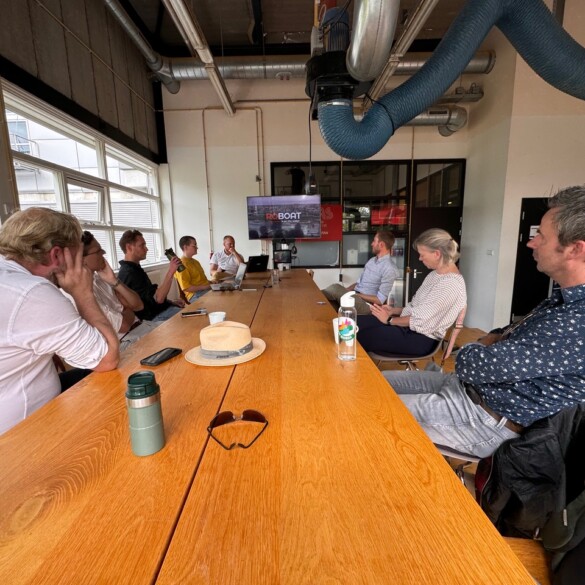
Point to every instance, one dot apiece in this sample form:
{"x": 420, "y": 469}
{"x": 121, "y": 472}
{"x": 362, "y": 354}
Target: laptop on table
{"x": 236, "y": 284}
{"x": 257, "y": 263}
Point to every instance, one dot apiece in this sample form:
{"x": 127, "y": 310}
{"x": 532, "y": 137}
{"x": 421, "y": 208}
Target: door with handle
{"x": 437, "y": 203}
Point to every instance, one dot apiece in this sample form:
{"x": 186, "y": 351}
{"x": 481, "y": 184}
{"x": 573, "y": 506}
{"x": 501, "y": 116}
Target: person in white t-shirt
{"x": 116, "y": 300}
{"x": 224, "y": 264}
{"x": 40, "y": 250}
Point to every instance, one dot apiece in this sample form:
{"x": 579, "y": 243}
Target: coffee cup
{"x": 216, "y": 317}
{"x": 336, "y": 330}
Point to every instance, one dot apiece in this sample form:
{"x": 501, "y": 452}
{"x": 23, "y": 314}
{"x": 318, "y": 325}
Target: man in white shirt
{"x": 40, "y": 250}
{"x": 224, "y": 264}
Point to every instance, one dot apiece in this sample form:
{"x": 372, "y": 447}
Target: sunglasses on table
{"x": 227, "y": 416}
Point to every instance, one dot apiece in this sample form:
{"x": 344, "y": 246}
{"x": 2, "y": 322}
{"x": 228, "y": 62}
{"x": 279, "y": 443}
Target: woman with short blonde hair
{"x": 415, "y": 329}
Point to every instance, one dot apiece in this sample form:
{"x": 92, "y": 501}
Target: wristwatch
{"x": 389, "y": 321}
{"x": 118, "y": 281}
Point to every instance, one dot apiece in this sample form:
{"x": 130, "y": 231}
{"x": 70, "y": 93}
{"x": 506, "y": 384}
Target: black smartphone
{"x": 194, "y": 313}
{"x": 160, "y": 356}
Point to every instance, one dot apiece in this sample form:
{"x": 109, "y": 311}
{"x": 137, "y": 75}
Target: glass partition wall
{"x": 370, "y": 196}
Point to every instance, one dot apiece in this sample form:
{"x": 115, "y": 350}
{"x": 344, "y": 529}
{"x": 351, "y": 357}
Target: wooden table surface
{"x": 343, "y": 486}
{"x": 76, "y": 506}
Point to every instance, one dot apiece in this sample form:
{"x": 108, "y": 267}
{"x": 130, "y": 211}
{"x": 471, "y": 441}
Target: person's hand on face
{"x": 229, "y": 247}
{"x": 107, "y": 273}
{"x": 72, "y": 276}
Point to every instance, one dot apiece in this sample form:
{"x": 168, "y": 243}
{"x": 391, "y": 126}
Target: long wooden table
{"x": 76, "y": 506}
{"x": 343, "y": 486}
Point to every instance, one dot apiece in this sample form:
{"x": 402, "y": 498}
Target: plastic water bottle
{"x": 347, "y": 317}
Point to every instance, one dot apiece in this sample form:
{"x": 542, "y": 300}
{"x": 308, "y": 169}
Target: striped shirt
{"x": 436, "y": 304}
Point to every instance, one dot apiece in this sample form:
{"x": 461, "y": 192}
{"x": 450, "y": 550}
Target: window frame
{"x": 29, "y": 107}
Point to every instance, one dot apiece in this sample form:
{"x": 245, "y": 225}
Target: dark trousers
{"x": 71, "y": 377}
{"x": 391, "y": 340}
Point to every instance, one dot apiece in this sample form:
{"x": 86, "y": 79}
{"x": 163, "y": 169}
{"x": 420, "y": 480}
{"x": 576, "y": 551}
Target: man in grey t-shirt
{"x": 375, "y": 282}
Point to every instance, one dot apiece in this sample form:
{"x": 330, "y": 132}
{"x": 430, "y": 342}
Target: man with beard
{"x": 525, "y": 372}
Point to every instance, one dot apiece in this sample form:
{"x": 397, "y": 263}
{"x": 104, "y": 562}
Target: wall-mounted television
{"x": 284, "y": 216}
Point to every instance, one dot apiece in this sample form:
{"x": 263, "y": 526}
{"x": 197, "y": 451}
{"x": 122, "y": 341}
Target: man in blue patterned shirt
{"x": 515, "y": 376}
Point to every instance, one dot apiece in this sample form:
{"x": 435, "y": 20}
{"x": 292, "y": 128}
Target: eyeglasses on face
{"x": 98, "y": 251}
{"x": 227, "y": 416}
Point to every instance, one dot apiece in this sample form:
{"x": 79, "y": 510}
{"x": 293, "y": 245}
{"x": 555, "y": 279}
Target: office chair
{"x": 182, "y": 294}
{"x": 410, "y": 362}
{"x": 457, "y": 460}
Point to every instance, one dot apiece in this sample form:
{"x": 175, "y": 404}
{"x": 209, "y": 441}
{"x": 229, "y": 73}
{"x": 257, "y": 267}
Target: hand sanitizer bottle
{"x": 347, "y": 317}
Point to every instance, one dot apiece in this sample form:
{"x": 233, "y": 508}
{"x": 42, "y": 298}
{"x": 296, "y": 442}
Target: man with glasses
{"x": 192, "y": 280}
{"x": 512, "y": 377}
{"x": 40, "y": 252}
{"x": 118, "y": 302}
{"x": 156, "y": 305}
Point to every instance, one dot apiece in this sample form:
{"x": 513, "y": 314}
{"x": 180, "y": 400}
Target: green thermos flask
{"x": 147, "y": 433}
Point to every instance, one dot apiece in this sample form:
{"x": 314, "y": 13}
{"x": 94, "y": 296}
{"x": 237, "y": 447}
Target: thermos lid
{"x": 141, "y": 385}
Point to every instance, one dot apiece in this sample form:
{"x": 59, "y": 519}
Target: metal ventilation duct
{"x": 293, "y": 66}
{"x": 154, "y": 61}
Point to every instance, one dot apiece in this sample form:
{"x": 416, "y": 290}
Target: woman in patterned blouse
{"x": 416, "y": 329}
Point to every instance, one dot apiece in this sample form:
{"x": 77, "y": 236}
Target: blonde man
{"x": 224, "y": 264}
{"x": 40, "y": 250}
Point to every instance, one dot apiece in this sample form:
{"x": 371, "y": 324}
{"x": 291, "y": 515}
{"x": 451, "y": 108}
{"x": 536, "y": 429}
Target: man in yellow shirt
{"x": 192, "y": 280}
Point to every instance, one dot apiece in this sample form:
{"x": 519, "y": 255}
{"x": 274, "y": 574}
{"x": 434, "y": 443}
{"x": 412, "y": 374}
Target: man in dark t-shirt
{"x": 156, "y": 305}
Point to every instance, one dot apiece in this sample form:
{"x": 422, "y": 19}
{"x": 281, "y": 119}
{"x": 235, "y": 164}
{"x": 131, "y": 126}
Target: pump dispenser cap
{"x": 348, "y": 300}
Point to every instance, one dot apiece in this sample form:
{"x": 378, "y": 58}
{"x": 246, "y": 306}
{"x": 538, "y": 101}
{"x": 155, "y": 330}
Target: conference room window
{"x": 65, "y": 166}
{"x": 18, "y": 133}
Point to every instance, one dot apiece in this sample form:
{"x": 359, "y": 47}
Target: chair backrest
{"x": 457, "y": 326}
{"x": 182, "y": 294}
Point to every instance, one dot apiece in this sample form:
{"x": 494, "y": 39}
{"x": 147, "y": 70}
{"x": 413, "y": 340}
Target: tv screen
{"x": 282, "y": 257}
{"x": 284, "y": 216}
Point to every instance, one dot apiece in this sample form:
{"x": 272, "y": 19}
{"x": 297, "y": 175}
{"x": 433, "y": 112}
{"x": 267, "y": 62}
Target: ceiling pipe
{"x": 293, "y": 66}
{"x": 413, "y": 27}
{"x": 155, "y": 62}
{"x": 192, "y": 34}
{"x": 374, "y": 25}
{"x": 449, "y": 119}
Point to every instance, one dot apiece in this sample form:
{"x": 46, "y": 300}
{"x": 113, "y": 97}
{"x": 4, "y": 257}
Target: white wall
{"x": 526, "y": 139}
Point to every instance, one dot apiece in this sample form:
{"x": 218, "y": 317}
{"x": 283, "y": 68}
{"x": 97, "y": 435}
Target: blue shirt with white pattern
{"x": 540, "y": 368}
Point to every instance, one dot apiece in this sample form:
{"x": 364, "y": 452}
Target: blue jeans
{"x": 441, "y": 406}
{"x": 167, "y": 313}
{"x": 198, "y": 294}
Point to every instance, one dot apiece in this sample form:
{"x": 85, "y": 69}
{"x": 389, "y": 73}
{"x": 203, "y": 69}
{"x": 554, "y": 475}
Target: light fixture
{"x": 192, "y": 34}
